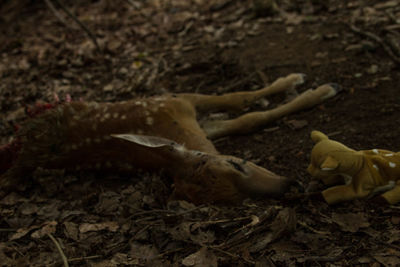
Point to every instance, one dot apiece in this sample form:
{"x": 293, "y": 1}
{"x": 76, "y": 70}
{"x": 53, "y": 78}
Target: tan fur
{"x": 367, "y": 172}
{"x": 160, "y": 133}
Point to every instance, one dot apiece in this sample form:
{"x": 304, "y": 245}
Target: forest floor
{"x": 153, "y": 47}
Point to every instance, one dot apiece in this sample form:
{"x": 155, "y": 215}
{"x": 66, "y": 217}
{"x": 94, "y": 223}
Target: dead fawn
{"x": 157, "y": 133}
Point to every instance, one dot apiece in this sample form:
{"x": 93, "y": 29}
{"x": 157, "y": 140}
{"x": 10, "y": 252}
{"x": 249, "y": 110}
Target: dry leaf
{"x": 350, "y": 222}
{"x": 48, "y": 228}
{"x": 88, "y": 227}
{"x": 203, "y": 257}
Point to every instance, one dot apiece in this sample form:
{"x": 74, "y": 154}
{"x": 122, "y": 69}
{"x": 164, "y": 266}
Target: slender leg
{"x": 342, "y": 193}
{"x": 241, "y": 100}
{"x": 393, "y": 196}
{"x": 252, "y": 121}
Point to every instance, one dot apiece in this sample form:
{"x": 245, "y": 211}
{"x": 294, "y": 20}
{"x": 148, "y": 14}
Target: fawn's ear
{"x": 329, "y": 164}
{"x": 318, "y": 136}
{"x": 152, "y": 142}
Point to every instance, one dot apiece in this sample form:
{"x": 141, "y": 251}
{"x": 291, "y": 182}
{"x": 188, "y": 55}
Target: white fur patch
{"x": 347, "y": 178}
{"x": 376, "y": 167}
{"x": 392, "y": 165}
{"x": 375, "y": 151}
{"x": 330, "y": 94}
{"x": 389, "y": 155}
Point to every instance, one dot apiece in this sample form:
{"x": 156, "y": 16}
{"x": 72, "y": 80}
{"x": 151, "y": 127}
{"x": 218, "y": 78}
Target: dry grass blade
{"x": 64, "y": 258}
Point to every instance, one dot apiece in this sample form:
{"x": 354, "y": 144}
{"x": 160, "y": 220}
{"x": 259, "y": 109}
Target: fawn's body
{"x": 159, "y": 133}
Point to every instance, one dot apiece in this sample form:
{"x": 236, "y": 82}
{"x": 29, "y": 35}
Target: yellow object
{"x": 364, "y": 173}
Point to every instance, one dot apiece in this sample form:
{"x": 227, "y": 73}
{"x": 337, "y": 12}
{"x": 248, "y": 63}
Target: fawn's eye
{"x": 236, "y": 165}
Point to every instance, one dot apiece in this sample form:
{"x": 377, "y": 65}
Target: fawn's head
{"x": 329, "y": 157}
{"x": 207, "y": 178}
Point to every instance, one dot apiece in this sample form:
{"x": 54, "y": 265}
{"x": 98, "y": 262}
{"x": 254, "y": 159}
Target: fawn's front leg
{"x": 342, "y": 193}
{"x": 251, "y": 121}
{"x": 241, "y": 100}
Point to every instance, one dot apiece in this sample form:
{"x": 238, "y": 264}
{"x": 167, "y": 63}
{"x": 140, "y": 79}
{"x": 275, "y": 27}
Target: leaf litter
{"x": 153, "y": 47}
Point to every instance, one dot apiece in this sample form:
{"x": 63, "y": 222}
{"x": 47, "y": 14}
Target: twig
{"x": 134, "y": 4}
{"x": 83, "y": 26}
{"x": 388, "y": 245}
{"x": 7, "y": 230}
{"x": 64, "y": 258}
{"x": 56, "y": 13}
{"x": 169, "y": 252}
{"x": 17, "y": 250}
{"x": 324, "y": 258}
{"x": 238, "y": 219}
{"x": 312, "y": 229}
{"x": 85, "y": 258}
{"x": 378, "y": 40}
{"x": 232, "y": 255}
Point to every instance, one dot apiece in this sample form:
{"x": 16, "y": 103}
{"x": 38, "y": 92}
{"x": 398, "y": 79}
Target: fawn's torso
{"x": 384, "y": 165}
{"x": 78, "y": 135}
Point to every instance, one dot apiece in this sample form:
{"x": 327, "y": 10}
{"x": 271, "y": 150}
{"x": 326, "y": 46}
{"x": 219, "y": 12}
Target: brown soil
{"x": 180, "y": 47}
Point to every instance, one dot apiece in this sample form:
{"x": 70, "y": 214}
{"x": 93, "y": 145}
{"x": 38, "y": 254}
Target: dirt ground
{"x": 152, "y": 47}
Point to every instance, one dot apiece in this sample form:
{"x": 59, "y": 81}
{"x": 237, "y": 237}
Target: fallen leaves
{"x": 350, "y": 222}
{"x": 94, "y": 227}
{"x": 153, "y": 47}
{"x": 203, "y": 257}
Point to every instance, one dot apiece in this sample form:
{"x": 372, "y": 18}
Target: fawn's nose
{"x": 261, "y": 181}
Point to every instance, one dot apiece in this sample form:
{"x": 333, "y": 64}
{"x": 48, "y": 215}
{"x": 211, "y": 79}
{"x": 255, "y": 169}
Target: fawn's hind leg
{"x": 241, "y": 100}
{"x": 252, "y": 121}
{"x": 393, "y": 196}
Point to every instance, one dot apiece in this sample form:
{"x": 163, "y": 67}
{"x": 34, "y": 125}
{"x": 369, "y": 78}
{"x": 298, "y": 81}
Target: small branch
{"x": 312, "y": 229}
{"x": 85, "y": 258}
{"x": 233, "y": 256}
{"x": 83, "y": 26}
{"x": 378, "y": 40}
{"x": 56, "y": 13}
{"x": 64, "y": 258}
{"x": 7, "y": 230}
{"x": 134, "y": 4}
